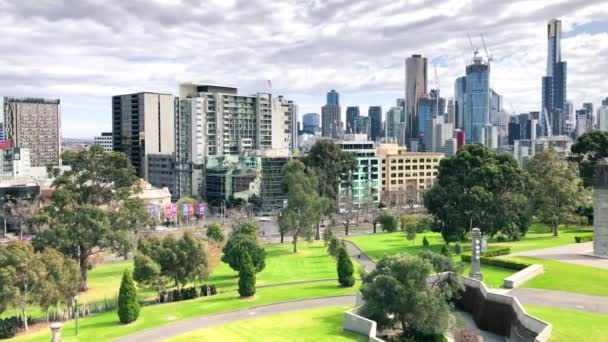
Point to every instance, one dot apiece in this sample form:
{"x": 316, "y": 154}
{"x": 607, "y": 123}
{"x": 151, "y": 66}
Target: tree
{"x": 587, "y": 151}
{"x": 328, "y": 235}
{"x": 215, "y": 233}
{"x": 180, "y": 205}
{"x": 128, "y": 307}
{"x": 425, "y": 242}
{"x": 478, "y": 188}
{"x": 445, "y": 250}
{"x": 388, "y": 221}
{"x": 30, "y": 278}
{"x": 557, "y": 191}
{"x": 243, "y": 238}
{"x": 397, "y": 292}
{"x": 78, "y": 220}
{"x": 410, "y": 231}
{"x": 21, "y": 211}
{"x": 419, "y": 222}
{"x": 247, "y": 277}
{"x": 304, "y": 205}
{"x": 350, "y": 210}
{"x": 130, "y": 216}
{"x": 345, "y": 268}
{"x": 182, "y": 260}
{"x": 334, "y": 246}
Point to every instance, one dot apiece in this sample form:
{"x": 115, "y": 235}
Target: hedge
{"x": 493, "y": 252}
{"x": 586, "y": 238}
{"x": 9, "y": 326}
{"x": 504, "y": 263}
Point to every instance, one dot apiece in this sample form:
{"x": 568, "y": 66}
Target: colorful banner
{"x": 168, "y": 211}
{"x": 150, "y": 209}
{"x": 156, "y": 210}
{"x": 201, "y": 209}
{"x": 173, "y": 209}
{"x": 185, "y": 209}
{"x": 190, "y": 209}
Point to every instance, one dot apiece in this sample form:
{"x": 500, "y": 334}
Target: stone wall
{"x": 600, "y": 222}
{"x": 517, "y": 279}
{"x": 360, "y": 325}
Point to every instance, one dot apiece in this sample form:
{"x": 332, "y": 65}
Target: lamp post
{"x": 76, "y": 313}
{"x": 475, "y": 272}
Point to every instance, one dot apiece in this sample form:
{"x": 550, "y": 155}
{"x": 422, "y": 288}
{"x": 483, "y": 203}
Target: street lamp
{"x": 76, "y": 315}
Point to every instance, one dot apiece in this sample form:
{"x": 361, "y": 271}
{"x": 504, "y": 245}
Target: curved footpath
{"x": 208, "y": 321}
{"x": 537, "y": 297}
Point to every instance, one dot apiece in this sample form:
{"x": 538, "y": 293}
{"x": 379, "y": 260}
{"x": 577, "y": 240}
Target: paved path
{"x": 558, "y": 299}
{"x": 572, "y": 253}
{"x": 362, "y": 258}
{"x": 208, "y": 321}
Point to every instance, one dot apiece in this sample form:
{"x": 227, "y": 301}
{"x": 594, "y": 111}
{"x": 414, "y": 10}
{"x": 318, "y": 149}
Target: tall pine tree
{"x": 247, "y": 277}
{"x": 345, "y": 268}
{"x": 128, "y": 307}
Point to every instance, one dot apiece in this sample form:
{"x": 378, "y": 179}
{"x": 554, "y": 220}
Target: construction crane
{"x": 475, "y": 50}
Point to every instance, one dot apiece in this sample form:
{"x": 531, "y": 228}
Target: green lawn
{"x": 379, "y": 244}
{"x": 560, "y": 276}
{"x": 571, "y": 325}
{"x": 540, "y": 236}
{"x": 323, "y": 324}
{"x": 492, "y": 276}
{"x": 105, "y": 327}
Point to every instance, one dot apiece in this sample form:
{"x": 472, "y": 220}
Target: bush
{"x": 465, "y": 335}
{"x": 345, "y": 268}
{"x": 457, "y": 249}
{"x": 504, "y": 263}
{"x": 501, "y": 238}
{"x": 188, "y": 293}
{"x": 212, "y": 290}
{"x": 445, "y": 251}
{"x": 9, "y": 326}
{"x": 496, "y": 252}
{"x": 247, "y": 277}
{"x": 128, "y": 307}
{"x": 581, "y": 239}
{"x": 425, "y": 243}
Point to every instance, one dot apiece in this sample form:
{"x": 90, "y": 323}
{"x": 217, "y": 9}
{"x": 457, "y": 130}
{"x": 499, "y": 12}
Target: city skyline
{"x": 304, "y": 50}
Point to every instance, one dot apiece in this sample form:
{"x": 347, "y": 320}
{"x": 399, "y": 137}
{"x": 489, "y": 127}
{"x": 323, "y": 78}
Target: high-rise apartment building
{"x": 415, "y": 87}
{"x": 590, "y": 116}
{"x": 375, "y": 116}
{"x": 291, "y": 122}
{"x": 104, "y": 140}
{"x": 311, "y": 123}
{"x": 602, "y": 118}
{"x": 581, "y": 122}
{"x": 331, "y": 116}
{"x": 34, "y": 124}
{"x": 437, "y": 133}
{"x": 554, "y": 109}
{"x": 392, "y": 123}
{"x": 451, "y": 112}
{"x": 143, "y": 124}
{"x": 362, "y": 186}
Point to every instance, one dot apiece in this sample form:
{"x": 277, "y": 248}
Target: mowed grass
{"x": 379, "y": 244}
{"x": 324, "y": 324}
{"x": 571, "y": 325}
{"x": 540, "y": 236}
{"x": 311, "y": 262}
{"x": 105, "y": 327}
{"x": 560, "y": 276}
{"x": 493, "y": 276}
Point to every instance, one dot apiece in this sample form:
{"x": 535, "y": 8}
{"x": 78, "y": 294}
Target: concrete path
{"x": 208, "y": 321}
{"x": 572, "y": 253}
{"x": 558, "y": 299}
{"x": 362, "y": 258}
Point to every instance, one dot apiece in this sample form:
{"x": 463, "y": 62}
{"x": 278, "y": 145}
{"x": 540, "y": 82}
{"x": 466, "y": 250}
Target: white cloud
{"x": 85, "y": 51}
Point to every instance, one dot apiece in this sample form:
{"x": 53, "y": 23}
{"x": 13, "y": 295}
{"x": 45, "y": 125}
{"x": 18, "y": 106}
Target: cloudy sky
{"x": 85, "y": 51}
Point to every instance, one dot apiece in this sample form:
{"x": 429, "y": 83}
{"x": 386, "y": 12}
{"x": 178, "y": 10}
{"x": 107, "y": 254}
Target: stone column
{"x": 600, "y": 209}
{"x": 475, "y": 272}
{"x": 56, "y": 332}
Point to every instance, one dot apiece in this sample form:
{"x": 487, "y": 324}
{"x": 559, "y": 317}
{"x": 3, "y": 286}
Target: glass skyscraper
{"x": 554, "y": 110}
{"x": 333, "y": 98}
{"x": 461, "y": 89}
{"x": 476, "y": 102}
{"x": 375, "y": 116}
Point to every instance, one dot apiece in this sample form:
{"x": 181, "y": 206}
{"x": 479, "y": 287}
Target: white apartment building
{"x": 104, "y": 140}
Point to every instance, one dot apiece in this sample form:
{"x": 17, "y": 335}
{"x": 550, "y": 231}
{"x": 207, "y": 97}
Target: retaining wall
{"x": 517, "y": 279}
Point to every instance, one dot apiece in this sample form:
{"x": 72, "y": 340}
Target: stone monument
{"x": 475, "y": 272}
{"x": 56, "y": 332}
{"x": 600, "y": 209}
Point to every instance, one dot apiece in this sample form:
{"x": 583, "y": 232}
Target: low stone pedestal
{"x": 56, "y": 332}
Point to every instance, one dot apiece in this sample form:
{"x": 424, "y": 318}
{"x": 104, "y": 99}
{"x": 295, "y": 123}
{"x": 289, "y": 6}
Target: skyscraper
{"x": 459, "y": 94}
{"x": 554, "y": 109}
{"x": 143, "y": 124}
{"x": 476, "y": 111}
{"x": 590, "y": 116}
{"x": 375, "y": 116}
{"x": 34, "y": 124}
{"x": 351, "y": 114}
{"x": 415, "y": 87}
{"x": 331, "y": 116}
{"x": 311, "y": 123}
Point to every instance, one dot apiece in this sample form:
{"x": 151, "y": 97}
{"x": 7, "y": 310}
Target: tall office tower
{"x": 351, "y": 114}
{"x": 363, "y": 125}
{"x": 554, "y": 103}
{"x": 602, "y": 118}
{"x": 460, "y": 89}
{"x": 581, "y": 122}
{"x": 415, "y": 87}
{"x": 451, "y": 112}
{"x": 34, "y": 124}
{"x": 375, "y": 115}
{"x": 401, "y": 103}
{"x": 590, "y": 116}
{"x": 104, "y": 140}
{"x": 428, "y": 107}
{"x": 143, "y": 124}
{"x": 436, "y": 134}
{"x": 393, "y": 119}
{"x": 571, "y": 111}
{"x": 495, "y": 105}
{"x": 477, "y": 97}
{"x": 311, "y": 123}
{"x": 331, "y": 116}
{"x": 291, "y": 120}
